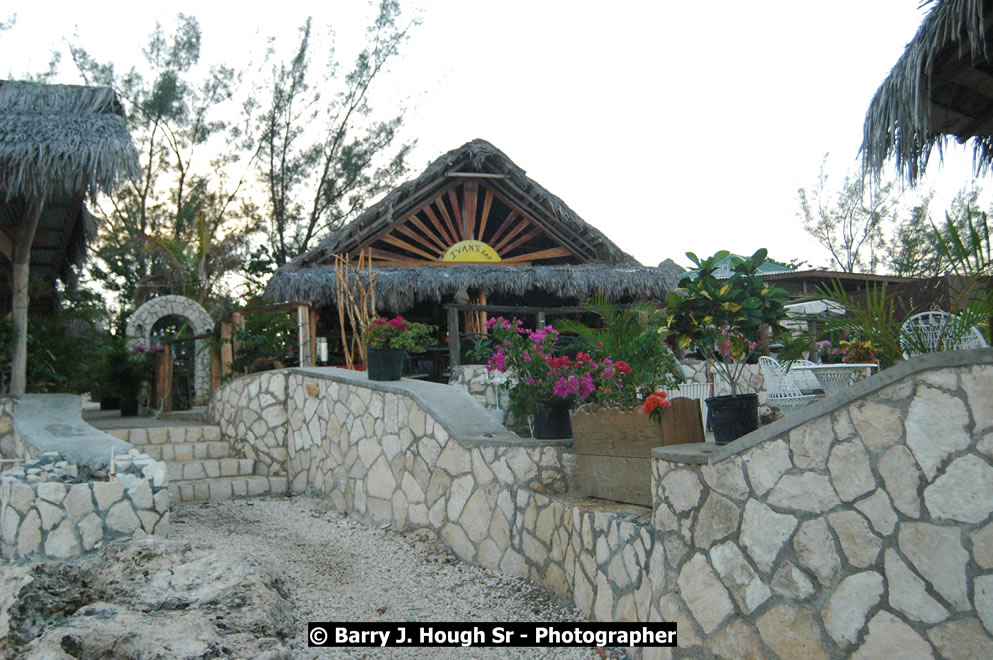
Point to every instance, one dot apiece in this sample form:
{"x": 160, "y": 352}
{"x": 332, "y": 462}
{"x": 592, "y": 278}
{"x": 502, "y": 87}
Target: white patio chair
{"x": 937, "y": 329}
{"x": 782, "y": 390}
{"x": 805, "y": 380}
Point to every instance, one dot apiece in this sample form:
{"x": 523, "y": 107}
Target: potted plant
{"x": 724, "y": 318}
{"x": 387, "y": 339}
{"x": 543, "y": 383}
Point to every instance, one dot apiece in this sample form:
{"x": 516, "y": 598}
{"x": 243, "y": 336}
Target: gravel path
{"x": 341, "y": 570}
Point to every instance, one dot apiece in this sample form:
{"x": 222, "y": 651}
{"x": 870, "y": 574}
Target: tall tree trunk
{"x": 22, "y": 260}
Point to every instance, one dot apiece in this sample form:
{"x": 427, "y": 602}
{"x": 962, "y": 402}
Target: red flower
{"x": 622, "y": 367}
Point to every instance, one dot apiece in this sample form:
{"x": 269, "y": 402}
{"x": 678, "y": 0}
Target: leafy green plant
{"x": 397, "y": 333}
{"x": 480, "y": 351}
{"x": 633, "y": 335}
{"x": 970, "y": 253}
{"x": 724, "y": 318}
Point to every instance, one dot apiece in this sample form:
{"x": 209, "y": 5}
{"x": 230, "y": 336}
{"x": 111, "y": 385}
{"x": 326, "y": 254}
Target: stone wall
{"x": 49, "y": 512}
{"x": 860, "y": 525}
{"x": 478, "y": 382}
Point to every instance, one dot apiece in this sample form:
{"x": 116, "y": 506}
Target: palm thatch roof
{"x": 941, "y": 86}
{"x": 584, "y": 261}
{"x": 587, "y": 243}
{"x": 62, "y": 142}
{"x": 400, "y": 288}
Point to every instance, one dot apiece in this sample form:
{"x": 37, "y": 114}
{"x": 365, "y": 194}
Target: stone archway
{"x": 139, "y": 330}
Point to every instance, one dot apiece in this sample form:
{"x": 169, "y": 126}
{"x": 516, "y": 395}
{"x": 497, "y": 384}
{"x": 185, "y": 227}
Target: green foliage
{"x": 8, "y": 333}
{"x": 634, "y": 335}
{"x": 480, "y": 351}
{"x": 723, "y": 318}
{"x": 123, "y": 370}
{"x": 269, "y": 335}
{"x": 850, "y": 226}
{"x": 399, "y": 333}
{"x": 969, "y": 251}
{"x": 64, "y": 350}
{"x": 316, "y": 181}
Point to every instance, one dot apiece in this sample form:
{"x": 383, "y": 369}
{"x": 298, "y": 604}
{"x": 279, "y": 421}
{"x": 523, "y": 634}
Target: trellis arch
{"x": 139, "y": 331}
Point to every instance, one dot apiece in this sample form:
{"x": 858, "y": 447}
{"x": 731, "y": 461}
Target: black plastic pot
{"x": 551, "y": 419}
{"x": 385, "y": 363}
{"x": 733, "y": 416}
{"x": 109, "y": 402}
{"x": 129, "y": 407}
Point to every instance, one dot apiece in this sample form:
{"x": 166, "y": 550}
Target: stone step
{"x": 160, "y": 435}
{"x": 194, "y": 414}
{"x": 187, "y": 451}
{"x": 225, "y": 488}
{"x": 210, "y": 468}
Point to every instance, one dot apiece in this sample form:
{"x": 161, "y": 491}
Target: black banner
{"x": 365, "y": 634}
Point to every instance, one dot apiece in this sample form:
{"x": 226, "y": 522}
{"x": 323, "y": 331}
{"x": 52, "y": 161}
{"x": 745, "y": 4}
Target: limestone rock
{"x": 61, "y": 542}
{"x": 121, "y": 518}
{"x": 860, "y": 545}
{"x": 961, "y": 639}
{"x": 737, "y": 641}
{"x": 766, "y": 463}
{"x": 791, "y": 582}
{"x": 682, "y": 490}
{"x": 902, "y": 478}
{"x": 763, "y": 533}
{"x": 908, "y": 594}
{"x": 79, "y": 501}
{"x": 810, "y": 443}
{"x": 877, "y": 424}
{"x": 850, "y": 471}
{"x": 937, "y": 554}
{"x": 934, "y": 428}
{"x": 983, "y": 587}
{"x": 808, "y": 491}
{"x": 704, "y": 594}
{"x": 982, "y": 546}
{"x": 879, "y": 511}
{"x": 963, "y": 493}
{"x": 889, "y": 637}
{"x": 791, "y": 632}
{"x": 846, "y": 609}
{"x": 739, "y": 577}
{"x": 717, "y": 519}
{"x": 727, "y": 478}
{"x": 816, "y": 551}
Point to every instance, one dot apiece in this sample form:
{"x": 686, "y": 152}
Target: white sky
{"x": 669, "y": 126}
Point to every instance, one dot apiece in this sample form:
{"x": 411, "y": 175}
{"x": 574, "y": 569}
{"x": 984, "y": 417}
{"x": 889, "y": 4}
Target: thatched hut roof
{"x": 942, "y": 85}
{"x": 399, "y": 288}
{"x": 63, "y": 142}
{"x": 587, "y": 243}
{"x": 571, "y": 259}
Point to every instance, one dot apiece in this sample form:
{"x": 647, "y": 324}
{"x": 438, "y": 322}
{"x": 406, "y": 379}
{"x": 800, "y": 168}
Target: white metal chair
{"x": 782, "y": 390}
{"x": 929, "y": 332}
{"x": 805, "y": 380}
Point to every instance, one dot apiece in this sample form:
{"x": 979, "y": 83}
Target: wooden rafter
{"x": 536, "y": 231}
{"x": 469, "y": 197}
{"x": 442, "y": 231}
{"x": 550, "y": 253}
{"x": 410, "y": 233}
{"x": 487, "y": 202}
{"x": 393, "y": 240}
{"x": 518, "y": 228}
{"x": 435, "y": 238}
{"x": 440, "y": 203}
{"x": 454, "y": 199}
{"x": 507, "y": 224}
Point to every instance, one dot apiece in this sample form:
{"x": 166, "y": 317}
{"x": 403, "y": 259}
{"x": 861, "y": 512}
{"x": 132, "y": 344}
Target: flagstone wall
{"x": 859, "y": 524}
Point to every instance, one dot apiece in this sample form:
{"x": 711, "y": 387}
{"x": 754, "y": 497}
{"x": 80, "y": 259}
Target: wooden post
{"x": 215, "y": 371}
{"x": 227, "y": 349}
{"x": 313, "y": 337}
{"x": 163, "y": 379}
{"x": 237, "y": 323}
{"x": 303, "y": 334}
{"x": 21, "y": 266}
{"x": 541, "y": 321}
{"x": 453, "y": 337}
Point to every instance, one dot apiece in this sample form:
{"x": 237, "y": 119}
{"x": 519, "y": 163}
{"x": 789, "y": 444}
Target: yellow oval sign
{"x": 471, "y": 251}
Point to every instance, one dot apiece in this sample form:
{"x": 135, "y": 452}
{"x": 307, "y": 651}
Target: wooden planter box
{"x": 614, "y": 447}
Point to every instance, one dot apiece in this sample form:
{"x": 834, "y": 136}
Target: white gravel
{"x": 339, "y": 569}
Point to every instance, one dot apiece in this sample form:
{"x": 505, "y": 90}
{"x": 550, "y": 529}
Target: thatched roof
{"x": 478, "y": 156}
{"x": 941, "y": 86}
{"x": 66, "y": 142}
{"x": 398, "y": 289}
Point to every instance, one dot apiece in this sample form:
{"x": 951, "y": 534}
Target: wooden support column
{"x": 303, "y": 332}
{"x": 453, "y": 337}
{"x": 21, "y": 265}
{"x": 163, "y": 380}
{"x": 313, "y": 337}
{"x": 227, "y": 349}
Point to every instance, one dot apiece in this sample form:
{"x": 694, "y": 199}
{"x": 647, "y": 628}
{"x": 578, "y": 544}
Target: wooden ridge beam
{"x": 469, "y": 198}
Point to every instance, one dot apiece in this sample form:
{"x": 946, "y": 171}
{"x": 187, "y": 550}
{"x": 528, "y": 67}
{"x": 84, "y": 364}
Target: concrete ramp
{"x": 54, "y": 422}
